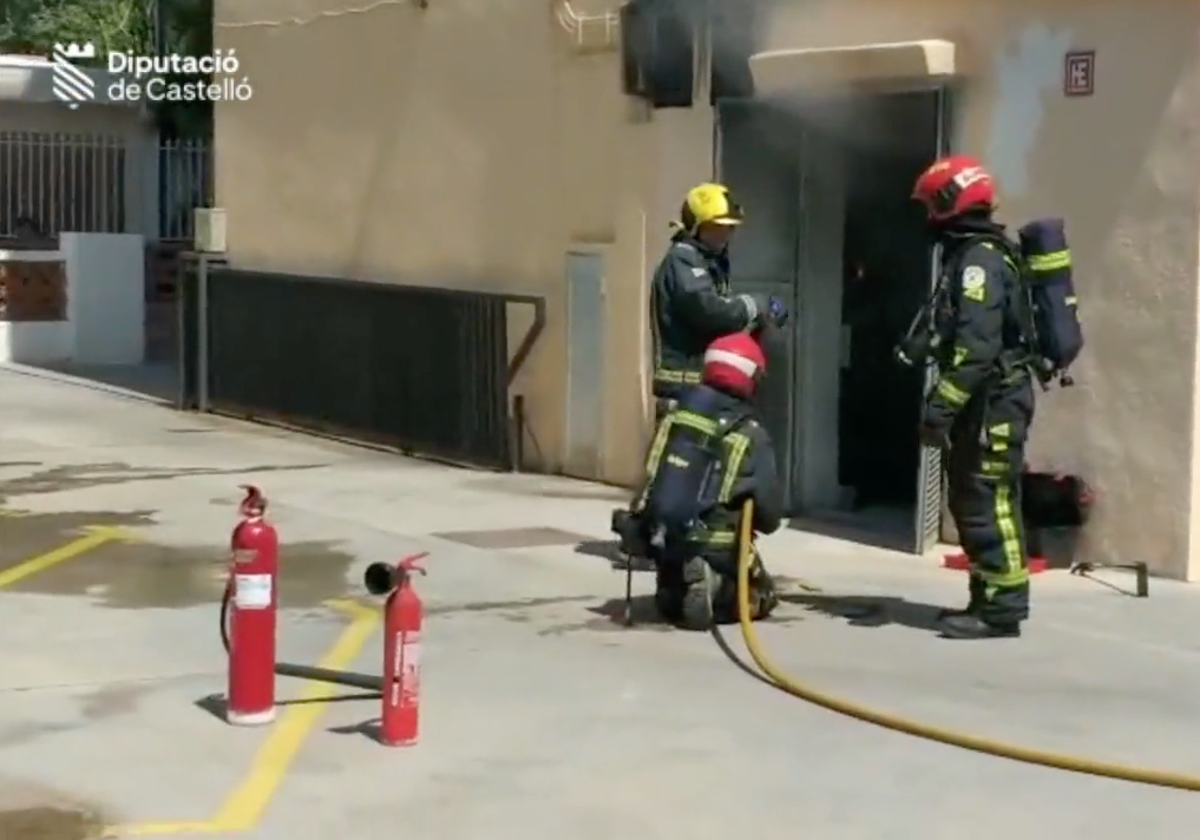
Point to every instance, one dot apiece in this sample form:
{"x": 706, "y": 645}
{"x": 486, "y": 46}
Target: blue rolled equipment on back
{"x": 1057, "y": 333}
{"x": 687, "y": 482}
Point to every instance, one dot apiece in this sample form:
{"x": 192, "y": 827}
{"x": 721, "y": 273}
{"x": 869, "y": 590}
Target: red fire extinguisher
{"x": 251, "y": 598}
{"x": 402, "y": 618}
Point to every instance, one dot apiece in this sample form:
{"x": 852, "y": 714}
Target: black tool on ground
{"x": 353, "y": 679}
{"x": 1140, "y": 570}
{"x": 628, "y": 590}
{"x": 1057, "y": 503}
{"x": 632, "y": 545}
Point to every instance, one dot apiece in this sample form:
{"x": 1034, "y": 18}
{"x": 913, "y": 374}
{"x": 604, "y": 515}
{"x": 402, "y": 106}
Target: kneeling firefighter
{"x": 709, "y": 455}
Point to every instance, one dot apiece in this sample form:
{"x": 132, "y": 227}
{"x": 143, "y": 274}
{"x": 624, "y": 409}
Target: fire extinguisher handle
{"x": 254, "y": 503}
{"x": 412, "y": 563}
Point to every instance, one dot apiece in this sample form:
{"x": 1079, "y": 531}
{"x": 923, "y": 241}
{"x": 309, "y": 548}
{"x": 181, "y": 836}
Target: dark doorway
{"x": 831, "y": 226}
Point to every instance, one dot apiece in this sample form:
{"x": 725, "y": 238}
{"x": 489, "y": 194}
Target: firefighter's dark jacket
{"x": 978, "y": 322}
{"x": 747, "y": 468}
{"x": 691, "y": 305}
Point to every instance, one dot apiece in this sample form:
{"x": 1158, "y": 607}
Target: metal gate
{"x": 930, "y": 477}
{"x": 752, "y": 161}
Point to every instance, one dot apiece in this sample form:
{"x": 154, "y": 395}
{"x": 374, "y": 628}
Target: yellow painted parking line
{"x": 245, "y": 806}
{"x": 95, "y": 538}
{"x": 247, "y": 803}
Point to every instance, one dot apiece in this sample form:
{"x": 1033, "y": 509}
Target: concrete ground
{"x": 541, "y": 716}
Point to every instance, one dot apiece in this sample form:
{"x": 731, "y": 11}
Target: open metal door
{"x": 930, "y": 477}
{"x": 756, "y": 154}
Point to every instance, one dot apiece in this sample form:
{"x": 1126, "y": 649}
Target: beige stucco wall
{"x": 467, "y": 144}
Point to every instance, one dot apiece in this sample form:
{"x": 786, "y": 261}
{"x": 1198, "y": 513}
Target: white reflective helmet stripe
{"x": 724, "y": 357}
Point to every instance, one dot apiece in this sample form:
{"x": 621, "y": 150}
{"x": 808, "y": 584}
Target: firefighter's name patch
{"x": 700, "y": 272}
{"x": 974, "y": 283}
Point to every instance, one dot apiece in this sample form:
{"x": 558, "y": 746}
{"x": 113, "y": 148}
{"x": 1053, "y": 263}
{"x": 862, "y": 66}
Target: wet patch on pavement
{"x": 86, "y": 476}
{"x": 102, "y": 703}
{"x": 133, "y": 574}
{"x": 32, "y": 812}
{"x": 49, "y": 824}
{"x": 136, "y": 575}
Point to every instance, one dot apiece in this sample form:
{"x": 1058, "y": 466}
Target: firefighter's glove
{"x": 933, "y": 435}
{"x": 777, "y": 312}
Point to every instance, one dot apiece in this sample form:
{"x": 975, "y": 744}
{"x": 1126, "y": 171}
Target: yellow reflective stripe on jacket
{"x": 654, "y": 456}
{"x": 692, "y": 420}
{"x": 991, "y": 246}
{"x": 1015, "y": 572}
{"x": 737, "y": 445}
{"x": 658, "y": 446}
{"x": 677, "y": 377}
{"x": 1053, "y": 261}
{"x": 951, "y": 393}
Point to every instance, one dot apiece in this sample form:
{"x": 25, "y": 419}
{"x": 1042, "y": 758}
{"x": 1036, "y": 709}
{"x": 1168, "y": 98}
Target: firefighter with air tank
{"x": 710, "y": 454}
{"x": 1002, "y": 316}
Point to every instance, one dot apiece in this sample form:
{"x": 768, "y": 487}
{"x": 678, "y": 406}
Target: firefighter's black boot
{"x": 969, "y": 626}
{"x": 669, "y": 592}
{"x": 701, "y": 583}
{"x": 764, "y": 597}
{"x": 975, "y": 602}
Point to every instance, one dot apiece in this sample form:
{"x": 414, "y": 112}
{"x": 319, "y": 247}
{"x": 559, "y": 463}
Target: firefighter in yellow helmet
{"x": 691, "y": 302}
{"x": 691, "y": 306}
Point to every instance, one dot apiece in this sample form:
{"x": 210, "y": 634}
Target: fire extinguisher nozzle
{"x": 379, "y": 578}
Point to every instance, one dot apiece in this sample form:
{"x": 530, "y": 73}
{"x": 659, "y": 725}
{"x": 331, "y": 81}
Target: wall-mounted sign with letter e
{"x": 1079, "y": 73}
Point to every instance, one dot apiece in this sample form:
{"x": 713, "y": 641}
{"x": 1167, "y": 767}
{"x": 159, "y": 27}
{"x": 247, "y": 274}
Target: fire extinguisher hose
{"x": 964, "y": 740}
{"x": 366, "y": 682}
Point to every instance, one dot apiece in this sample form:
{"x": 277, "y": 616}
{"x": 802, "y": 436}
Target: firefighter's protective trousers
{"x": 987, "y": 448}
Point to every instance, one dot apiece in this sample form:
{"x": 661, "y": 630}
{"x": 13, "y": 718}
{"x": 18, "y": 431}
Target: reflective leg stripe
{"x": 1015, "y": 571}
{"x": 951, "y": 393}
{"x": 720, "y": 538}
{"x": 676, "y": 377}
{"x": 996, "y": 437}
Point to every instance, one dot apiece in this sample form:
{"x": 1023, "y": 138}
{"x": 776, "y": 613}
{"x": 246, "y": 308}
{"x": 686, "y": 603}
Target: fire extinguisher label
{"x": 252, "y": 592}
{"x": 409, "y": 668}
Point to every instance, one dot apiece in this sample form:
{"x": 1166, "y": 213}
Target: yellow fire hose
{"x": 784, "y": 682}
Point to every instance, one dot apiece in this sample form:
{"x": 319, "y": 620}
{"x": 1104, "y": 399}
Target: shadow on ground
{"x": 216, "y": 704}
{"x": 869, "y": 611}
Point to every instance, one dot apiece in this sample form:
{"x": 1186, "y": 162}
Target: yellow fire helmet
{"x": 709, "y": 203}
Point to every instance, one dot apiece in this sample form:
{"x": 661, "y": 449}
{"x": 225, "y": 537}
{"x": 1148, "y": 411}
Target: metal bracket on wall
{"x": 590, "y": 33}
